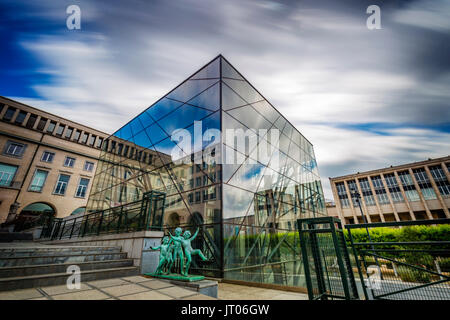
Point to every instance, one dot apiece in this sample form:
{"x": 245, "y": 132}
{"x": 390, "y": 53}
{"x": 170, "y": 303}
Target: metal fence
{"x": 416, "y": 269}
{"x": 146, "y": 214}
{"x": 327, "y": 266}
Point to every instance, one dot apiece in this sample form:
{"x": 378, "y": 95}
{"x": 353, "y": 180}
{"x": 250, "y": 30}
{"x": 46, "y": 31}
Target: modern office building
{"x": 47, "y": 163}
{"x": 239, "y": 171}
{"x": 413, "y": 191}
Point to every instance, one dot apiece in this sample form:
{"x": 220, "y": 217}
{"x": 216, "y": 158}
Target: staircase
{"x": 45, "y": 265}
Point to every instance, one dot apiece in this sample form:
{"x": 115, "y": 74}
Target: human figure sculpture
{"x": 165, "y": 255}
{"x": 177, "y": 247}
{"x": 189, "y": 251}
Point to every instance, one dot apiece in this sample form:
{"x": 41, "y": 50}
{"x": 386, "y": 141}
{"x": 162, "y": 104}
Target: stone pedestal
{"x": 206, "y": 287}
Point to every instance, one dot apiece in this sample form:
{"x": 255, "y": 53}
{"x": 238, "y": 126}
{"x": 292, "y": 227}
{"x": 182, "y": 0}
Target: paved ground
{"x": 141, "y": 288}
{"x": 128, "y": 288}
{"x": 237, "y": 292}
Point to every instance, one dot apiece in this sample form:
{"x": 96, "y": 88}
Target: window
{"x": 37, "y": 184}
{"x": 9, "y": 113}
{"x": 21, "y": 117}
{"x": 393, "y": 187}
{"x": 69, "y": 162}
{"x": 69, "y": 132}
{"x": 191, "y": 197}
{"x": 424, "y": 184}
{"x": 60, "y": 130}
{"x": 197, "y": 197}
{"x": 61, "y": 184}
{"x": 84, "y": 137}
{"x": 99, "y": 142}
{"x": 342, "y": 194}
{"x": 82, "y": 188}
{"x": 352, "y": 186}
{"x": 76, "y": 135}
{"x": 41, "y": 124}
{"x": 408, "y": 186}
{"x": 14, "y": 149}
{"x": 88, "y": 166}
{"x": 441, "y": 180}
{"x": 205, "y": 195}
{"x": 92, "y": 140}
{"x": 213, "y": 193}
{"x": 7, "y": 173}
{"x": 367, "y": 192}
{"x": 125, "y": 152}
{"x": 31, "y": 121}
{"x": 380, "y": 191}
{"x": 198, "y": 181}
{"x": 47, "y": 156}
{"x": 51, "y": 127}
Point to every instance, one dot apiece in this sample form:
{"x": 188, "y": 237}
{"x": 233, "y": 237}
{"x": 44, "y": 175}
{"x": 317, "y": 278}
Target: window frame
{"x": 8, "y": 144}
{"x": 92, "y": 167}
{"x": 65, "y": 162}
{"x": 85, "y": 188}
{"x": 57, "y": 183}
{"x": 32, "y": 179}
{"x": 48, "y": 152}
{"x": 13, "y": 176}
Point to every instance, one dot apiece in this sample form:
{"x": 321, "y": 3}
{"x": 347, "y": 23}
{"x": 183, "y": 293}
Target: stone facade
{"x": 413, "y": 191}
{"x": 35, "y": 142}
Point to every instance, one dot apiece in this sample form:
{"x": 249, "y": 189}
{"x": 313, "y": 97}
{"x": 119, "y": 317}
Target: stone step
{"x": 55, "y": 259}
{"x": 30, "y": 270}
{"x": 53, "y": 279}
{"x": 6, "y": 252}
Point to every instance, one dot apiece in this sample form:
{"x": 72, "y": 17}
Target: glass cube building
{"x": 220, "y": 158}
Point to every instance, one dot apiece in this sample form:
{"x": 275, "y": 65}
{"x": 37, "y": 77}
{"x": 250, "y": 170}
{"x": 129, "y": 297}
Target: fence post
{"x": 100, "y": 224}
{"x": 85, "y": 225}
{"x": 358, "y": 264}
{"x": 62, "y": 230}
{"x": 73, "y": 226}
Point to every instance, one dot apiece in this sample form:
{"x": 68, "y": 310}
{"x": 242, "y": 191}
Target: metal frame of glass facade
{"x": 246, "y": 210}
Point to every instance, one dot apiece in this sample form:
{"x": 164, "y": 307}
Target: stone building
{"x": 412, "y": 191}
{"x": 47, "y": 163}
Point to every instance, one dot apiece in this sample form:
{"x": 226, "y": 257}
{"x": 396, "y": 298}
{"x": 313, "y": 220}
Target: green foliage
{"x": 405, "y": 234}
{"x": 409, "y": 274}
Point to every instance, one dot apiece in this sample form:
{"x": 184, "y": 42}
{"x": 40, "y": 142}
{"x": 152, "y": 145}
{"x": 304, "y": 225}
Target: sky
{"x": 365, "y": 99}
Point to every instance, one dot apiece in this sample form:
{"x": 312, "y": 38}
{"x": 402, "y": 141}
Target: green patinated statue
{"x": 165, "y": 256}
{"x": 189, "y": 251}
{"x": 176, "y": 248}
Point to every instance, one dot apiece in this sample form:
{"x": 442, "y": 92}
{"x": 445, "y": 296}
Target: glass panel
{"x": 38, "y": 180}
{"x": 190, "y": 89}
{"x": 7, "y": 174}
{"x": 244, "y": 90}
{"x": 209, "y": 71}
{"x": 229, "y": 72}
{"x": 230, "y": 99}
{"x": 162, "y": 108}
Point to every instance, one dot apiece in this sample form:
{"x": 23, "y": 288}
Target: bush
{"x": 409, "y": 274}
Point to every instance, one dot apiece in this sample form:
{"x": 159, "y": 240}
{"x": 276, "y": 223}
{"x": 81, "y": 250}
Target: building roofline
{"x": 55, "y": 115}
{"x": 391, "y": 168}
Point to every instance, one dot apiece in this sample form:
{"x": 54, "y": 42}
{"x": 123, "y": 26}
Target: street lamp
{"x": 355, "y": 194}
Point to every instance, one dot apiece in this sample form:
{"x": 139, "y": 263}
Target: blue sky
{"x": 365, "y": 98}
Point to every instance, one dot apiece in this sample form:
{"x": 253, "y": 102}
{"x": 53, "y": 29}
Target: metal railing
{"x": 146, "y": 214}
{"x": 415, "y": 269}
